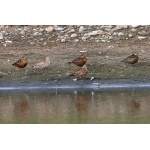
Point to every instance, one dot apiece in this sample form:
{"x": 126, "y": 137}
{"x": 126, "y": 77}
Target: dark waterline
{"x": 85, "y": 84}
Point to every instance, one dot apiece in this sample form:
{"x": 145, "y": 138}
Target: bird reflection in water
{"x": 134, "y": 107}
{"x": 82, "y": 108}
{"x": 22, "y": 110}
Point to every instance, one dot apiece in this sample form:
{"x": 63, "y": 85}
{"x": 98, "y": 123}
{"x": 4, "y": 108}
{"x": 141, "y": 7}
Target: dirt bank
{"x": 103, "y": 60}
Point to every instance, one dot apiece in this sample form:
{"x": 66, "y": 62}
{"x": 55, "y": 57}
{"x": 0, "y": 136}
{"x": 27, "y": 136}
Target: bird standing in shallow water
{"x": 80, "y": 73}
{"x": 21, "y": 63}
{"x": 42, "y": 64}
{"x": 80, "y": 61}
{"x": 132, "y": 59}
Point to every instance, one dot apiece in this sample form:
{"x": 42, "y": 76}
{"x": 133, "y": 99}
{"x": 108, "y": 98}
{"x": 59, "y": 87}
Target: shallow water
{"x": 81, "y": 106}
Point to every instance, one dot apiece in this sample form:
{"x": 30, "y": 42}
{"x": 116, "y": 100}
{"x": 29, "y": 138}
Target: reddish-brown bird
{"x": 21, "y": 63}
{"x": 132, "y": 59}
{"x": 80, "y": 61}
{"x": 81, "y": 73}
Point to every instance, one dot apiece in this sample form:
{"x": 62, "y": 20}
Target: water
{"x": 77, "y": 107}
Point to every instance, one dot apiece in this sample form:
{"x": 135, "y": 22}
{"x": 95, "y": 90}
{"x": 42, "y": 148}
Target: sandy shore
{"x": 104, "y": 61}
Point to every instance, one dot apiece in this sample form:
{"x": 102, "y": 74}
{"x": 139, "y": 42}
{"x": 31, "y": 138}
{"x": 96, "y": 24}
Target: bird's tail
{"x": 123, "y": 60}
{"x": 14, "y": 64}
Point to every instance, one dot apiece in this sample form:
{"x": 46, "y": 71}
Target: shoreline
{"x": 71, "y": 85}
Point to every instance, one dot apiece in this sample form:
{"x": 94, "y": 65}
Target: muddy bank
{"x": 104, "y": 46}
{"x": 104, "y": 61}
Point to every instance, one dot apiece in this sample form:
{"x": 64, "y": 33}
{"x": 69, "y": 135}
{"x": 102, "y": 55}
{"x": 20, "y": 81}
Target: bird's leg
{"x": 81, "y": 81}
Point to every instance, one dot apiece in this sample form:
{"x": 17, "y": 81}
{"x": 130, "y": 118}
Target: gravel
{"x": 43, "y": 34}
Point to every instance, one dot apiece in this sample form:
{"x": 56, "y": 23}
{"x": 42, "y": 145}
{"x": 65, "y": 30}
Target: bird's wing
{"x": 39, "y": 65}
{"x": 77, "y": 59}
{"x": 18, "y": 62}
{"x": 130, "y": 58}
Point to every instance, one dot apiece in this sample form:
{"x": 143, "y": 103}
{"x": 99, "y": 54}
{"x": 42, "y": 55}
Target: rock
{"x": 135, "y": 26}
{"x": 1, "y": 36}
{"x": 130, "y": 35}
{"x": 73, "y": 35}
{"x": 59, "y": 28}
{"x": 4, "y": 44}
{"x": 120, "y": 34}
{"x": 110, "y": 38}
{"x": 32, "y": 43}
{"x": 116, "y": 28}
{"x": 63, "y": 40}
{"x": 66, "y": 35}
{"x": 6, "y": 27}
{"x": 41, "y": 30}
{"x": 107, "y": 29}
{"x": 133, "y": 30}
{"x": 109, "y": 26}
{"x": 115, "y": 33}
{"x": 143, "y": 32}
{"x": 91, "y": 78}
{"x": 41, "y": 39}
{"x": 35, "y": 33}
{"x": 2, "y": 27}
{"x": 81, "y": 28}
{"x": 76, "y": 40}
{"x": 71, "y": 31}
{"x": 103, "y": 41}
{"x": 110, "y": 46}
{"x": 84, "y": 51}
{"x": 49, "y": 29}
{"x": 119, "y": 28}
{"x": 19, "y": 29}
{"x": 123, "y": 26}
{"x": 35, "y": 30}
{"x": 97, "y": 41}
{"x": 141, "y": 37}
{"x": 4, "y": 32}
{"x": 2, "y": 74}
{"x": 95, "y": 32}
{"x": 8, "y": 41}
{"x": 22, "y": 32}
{"x": 84, "y": 38}
{"x": 44, "y": 43}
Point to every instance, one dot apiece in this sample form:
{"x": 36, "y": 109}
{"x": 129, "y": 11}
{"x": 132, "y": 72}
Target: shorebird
{"x": 21, "y": 63}
{"x": 42, "y": 64}
{"x": 80, "y": 61}
{"x": 132, "y": 59}
{"x": 81, "y": 73}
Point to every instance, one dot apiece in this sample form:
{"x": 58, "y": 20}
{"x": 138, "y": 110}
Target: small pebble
{"x": 73, "y": 35}
{"x": 92, "y": 78}
{"x": 75, "y": 79}
{"x": 141, "y": 37}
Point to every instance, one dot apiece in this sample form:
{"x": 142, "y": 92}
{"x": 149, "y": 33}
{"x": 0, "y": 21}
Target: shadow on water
{"x": 75, "y": 106}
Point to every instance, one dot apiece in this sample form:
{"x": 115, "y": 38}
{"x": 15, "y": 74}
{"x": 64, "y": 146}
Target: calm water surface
{"x": 106, "y": 106}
